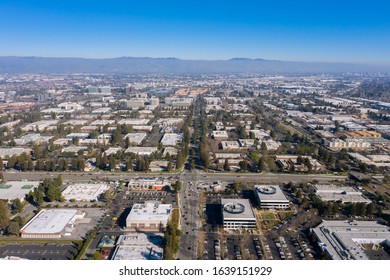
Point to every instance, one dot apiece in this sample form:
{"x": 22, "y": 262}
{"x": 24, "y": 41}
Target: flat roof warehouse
{"x": 52, "y": 223}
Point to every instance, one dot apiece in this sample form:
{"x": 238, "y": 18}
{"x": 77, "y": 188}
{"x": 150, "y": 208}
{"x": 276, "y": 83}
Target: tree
{"x": 104, "y": 161}
{"x": 112, "y": 163}
{"x": 226, "y": 165}
{"x": 386, "y": 179}
{"x": 53, "y": 193}
{"x": 336, "y": 126}
{"x": 96, "y": 256}
{"x": 4, "y": 214}
{"x": 38, "y": 197}
{"x": 13, "y": 228}
{"x": 58, "y": 180}
{"x": 261, "y": 165}
{"x": 263, "y": 147}
{"x": 17, "y": 206}
{"x": 81, "y": 165}
{"x": 30, "y": 165}
{"x": 108, "y": 196}
{"x": 37, "y": 151}
{"x": 116, "y": 136}
{"x": 50, "y": 165}
{"x": 169, "y": 166}
{"x": 178, "y": 186}
{"x": 1, "y": 163}
{"x": 235, "y": 187}
{"x": 129, "y": 165}
{"x": 352, "y": 209}
{"x": 370, "y": 209}
{"x": 62, "y": 165}
{"x": 361, "y": 209}
{"x": 40, "y": 165}
{"x": 243, "y": 165}
{"x": 179, "y": 160}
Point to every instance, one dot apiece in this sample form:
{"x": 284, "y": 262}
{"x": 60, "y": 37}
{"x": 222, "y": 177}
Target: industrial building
{"x": 4, "y": 152}
{"x": 237, "y": 214}
{"x": 139, "y": 246}
{"x": 52, "y": 223}
{"x": 85, "y": 192}
{"x": 135, "y": 138}
{"x": 348, "y": 143}
{"x": 33, "y": 138}
{"x": 220, "y": 134}
{"x": 171, "y": 139}
{"x": 343, "y": 194}
{"x": 112, "y": 151}
{"x": 17, "y": 189}
{"x": 270, "y": 197}
{"x": 79, "y": 135}
{"x": 151, "y": 216}
{"x": 40, "y": 125}
{"x": 153, "y": 184}
{"x": 345, "y": 240}
{"x": 141, "y": 150}
{"x": 134, "y": 121}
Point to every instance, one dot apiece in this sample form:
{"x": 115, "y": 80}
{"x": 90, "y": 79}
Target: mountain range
{"x": 128, "y": 65}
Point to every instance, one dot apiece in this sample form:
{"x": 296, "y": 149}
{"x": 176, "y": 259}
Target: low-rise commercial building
{"x": 141, "y": 150}
{"x": 151, "y": 216}
{"x": 33, "y": 138}
{"x": 337, "y": 144}
{"x": 135, "y": 138}
{"x": 220, "y": 134}
{"x": 171, "y": 139}
{"x": 4, "y": 152}
{"x": 343, "y": 194}
{"x": 17, "y": 189}
{"x": 52, "y": 223}
{"x": 345, "y": 240}
{"x": 84, "y": 192}
{"x": 139, "y": 246}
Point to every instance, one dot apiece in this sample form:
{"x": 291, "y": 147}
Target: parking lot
{"x": 232, "y": 247}
{"x": 44, "y": 251}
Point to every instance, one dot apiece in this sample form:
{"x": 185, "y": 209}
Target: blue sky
{"x": 287, "y": 30}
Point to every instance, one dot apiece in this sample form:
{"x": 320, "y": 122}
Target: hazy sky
{"x": 313, "y": 30}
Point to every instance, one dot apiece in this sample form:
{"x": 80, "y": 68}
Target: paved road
{"x": 189, "y": 218}
{"x": 202, "y": 176}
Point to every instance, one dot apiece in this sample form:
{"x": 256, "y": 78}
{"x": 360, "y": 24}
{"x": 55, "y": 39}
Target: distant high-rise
{"x": 104, "y": 90}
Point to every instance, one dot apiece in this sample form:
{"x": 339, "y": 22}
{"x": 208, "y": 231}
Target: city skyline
{"x": 305, "y": 31}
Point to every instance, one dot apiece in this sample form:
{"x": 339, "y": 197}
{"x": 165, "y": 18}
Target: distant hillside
{"x": 13, "y": 64}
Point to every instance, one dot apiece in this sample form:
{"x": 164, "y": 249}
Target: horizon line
{"x": 383, "y": 63}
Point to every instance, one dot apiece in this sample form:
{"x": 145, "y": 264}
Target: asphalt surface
{"x": 37, "y": 251}
{"x": 200, "y": 175}
{"x": 189, "y": 218}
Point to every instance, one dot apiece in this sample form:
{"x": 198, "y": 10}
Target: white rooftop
{"x": 237, "y": 209}
{"x": 85, "y": 192}
{"x": 271, "y": 193}
{"x": 49, "y": 221}
{"x": 341, "y": 239}
{"x": 149, "y": 211}
{"x": 16, "y": 189}
{"x": 339, "y": 193}
{"x": 139, "y": 246}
